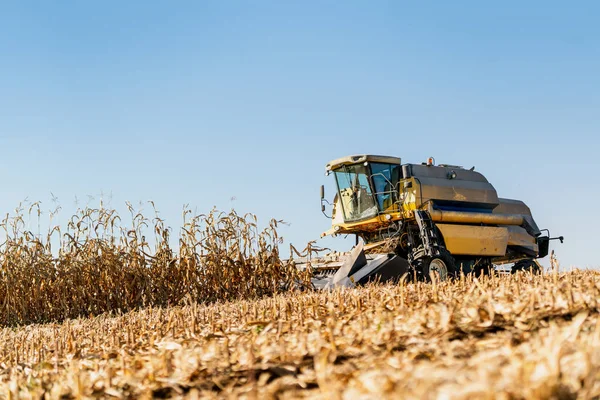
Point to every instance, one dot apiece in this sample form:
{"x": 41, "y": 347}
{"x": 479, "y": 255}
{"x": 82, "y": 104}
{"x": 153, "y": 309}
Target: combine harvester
{"x": 422, "y": 220}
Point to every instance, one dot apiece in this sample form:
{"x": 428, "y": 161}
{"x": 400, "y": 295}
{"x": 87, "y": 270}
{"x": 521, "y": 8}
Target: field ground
{"x": 510, "y": 337}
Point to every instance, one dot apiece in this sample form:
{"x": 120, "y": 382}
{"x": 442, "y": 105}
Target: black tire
{"x": 486, "y": 268}
{"x": 442, "y": 264}
{"x": 526, "y": 265}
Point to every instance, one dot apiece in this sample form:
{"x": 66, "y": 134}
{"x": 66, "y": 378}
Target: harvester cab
{"x": 424, "y": 220}
{"x": 367, "y": 193}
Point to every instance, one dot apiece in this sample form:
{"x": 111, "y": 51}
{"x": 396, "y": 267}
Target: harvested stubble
{"x": 508, "y": 337}
{"x": 103, "y": 266}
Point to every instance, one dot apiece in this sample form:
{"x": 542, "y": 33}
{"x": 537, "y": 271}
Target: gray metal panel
{"x": 468, "y": 186}
{"x": 442, "y": 173}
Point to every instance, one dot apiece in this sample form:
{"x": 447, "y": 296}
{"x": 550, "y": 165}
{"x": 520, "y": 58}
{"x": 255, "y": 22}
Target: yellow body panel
{"x": 518, "y": 236}
{"x": 371, "y": 224}
{"x": 410, "y": 197}
{"x": 474, "y": 240}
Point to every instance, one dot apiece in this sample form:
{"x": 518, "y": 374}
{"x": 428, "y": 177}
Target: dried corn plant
{"x": 102, "y": 265}
{"x": 520, "y": 336}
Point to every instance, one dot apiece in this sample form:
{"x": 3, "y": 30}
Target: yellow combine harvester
{"x": 424, "y": 220}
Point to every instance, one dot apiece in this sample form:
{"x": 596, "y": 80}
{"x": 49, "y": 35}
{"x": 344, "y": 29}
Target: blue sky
{"x": 198, "y": 102}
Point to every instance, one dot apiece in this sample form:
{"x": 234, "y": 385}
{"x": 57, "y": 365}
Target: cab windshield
{"x": 368, "y": 190}
{"x": 355, "y": 192}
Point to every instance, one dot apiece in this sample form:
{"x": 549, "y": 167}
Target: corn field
{"x": 520, "y": 336}
{"x": 102, "y": 265}
{"x": 103, "y": 309}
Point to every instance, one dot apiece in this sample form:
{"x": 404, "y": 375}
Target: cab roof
{"x": 361, "y": 158}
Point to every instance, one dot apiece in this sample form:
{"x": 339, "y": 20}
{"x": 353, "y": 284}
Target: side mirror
{"x": 323, "y": 201}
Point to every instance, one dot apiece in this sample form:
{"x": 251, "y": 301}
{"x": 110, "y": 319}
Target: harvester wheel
{"x": 442, "y": 265}
{"x": 526, "y": 265}
{"x": 483, "y": 268}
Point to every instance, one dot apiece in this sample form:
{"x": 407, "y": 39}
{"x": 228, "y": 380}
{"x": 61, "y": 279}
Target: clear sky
{"x": 201, "y": 101}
